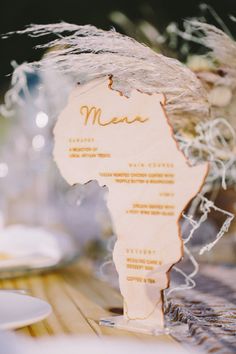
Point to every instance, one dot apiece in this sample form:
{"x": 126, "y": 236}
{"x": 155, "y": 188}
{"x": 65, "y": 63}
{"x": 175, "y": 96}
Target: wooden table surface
{"x": 78, "y": 301}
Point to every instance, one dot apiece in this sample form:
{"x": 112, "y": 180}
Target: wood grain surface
{"x": 78, "y": 301}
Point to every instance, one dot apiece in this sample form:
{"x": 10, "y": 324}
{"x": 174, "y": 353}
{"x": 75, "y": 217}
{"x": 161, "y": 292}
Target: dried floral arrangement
{"x": 214, "y": 139}
{"x": 198, "y": 101}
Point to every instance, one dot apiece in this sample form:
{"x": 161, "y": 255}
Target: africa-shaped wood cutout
{"x": 127, "y": 144}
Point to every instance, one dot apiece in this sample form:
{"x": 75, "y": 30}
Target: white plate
{"x": 17, "y": 310}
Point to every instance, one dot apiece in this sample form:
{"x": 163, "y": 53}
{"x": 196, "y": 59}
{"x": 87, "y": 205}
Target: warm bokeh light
{"x": 38, "y": 142}
{"x": 41, "y": 119}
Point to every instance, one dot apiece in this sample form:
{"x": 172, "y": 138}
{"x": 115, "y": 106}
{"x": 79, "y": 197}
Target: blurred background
{"x": 34, "y": 198}
{"x": 14, "y": 15}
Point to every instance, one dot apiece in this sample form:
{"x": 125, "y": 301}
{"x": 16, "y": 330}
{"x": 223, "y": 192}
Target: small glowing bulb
{"x": 3, "y": 170}
{"x": 41, "y": 119}
{"x": 38, "y": 142}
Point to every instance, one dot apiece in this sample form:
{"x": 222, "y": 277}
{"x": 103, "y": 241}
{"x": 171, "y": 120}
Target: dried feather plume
{"x": 223, "y": 47}
{"x": 85, "y": 53}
